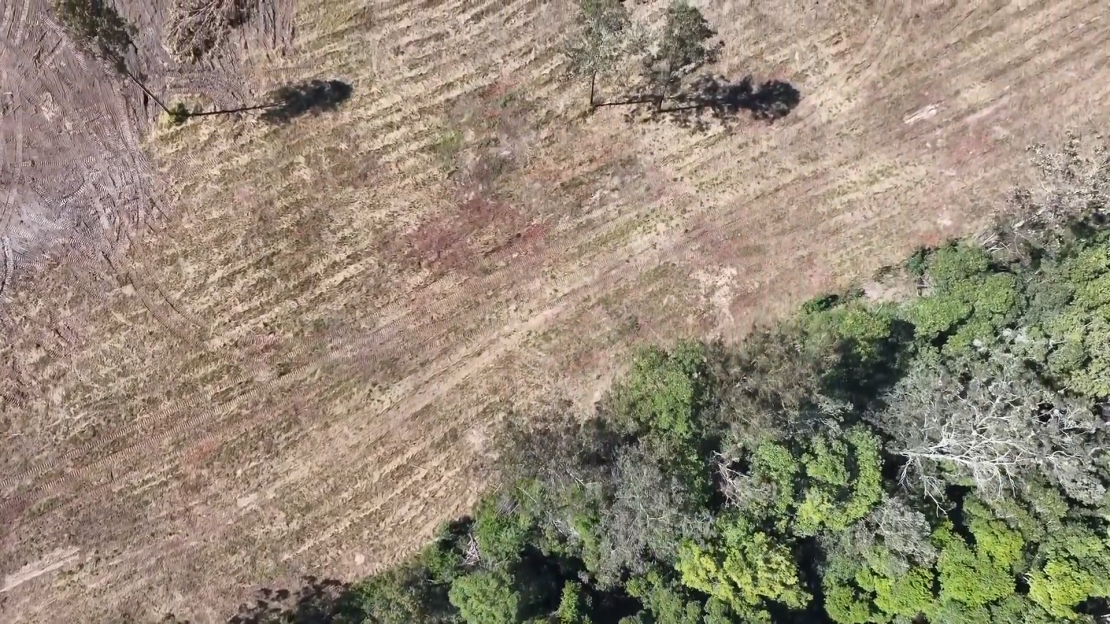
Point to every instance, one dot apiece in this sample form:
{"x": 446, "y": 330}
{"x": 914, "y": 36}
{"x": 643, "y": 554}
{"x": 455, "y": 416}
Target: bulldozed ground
{"x": 233, "y": 353}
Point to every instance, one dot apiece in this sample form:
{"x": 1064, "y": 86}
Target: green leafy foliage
{"x": 662, "y": 403}
{"x": 844, "y": 482}
{"x": 682, "y": 45}
{"x": 485, "y": 598}
{"x": 98, "y": 27}
{"x": 606, "y": 41}
{"x": 605, "y": 37}
{"x": 1076, "y": 567}
{"x": 904, "y": 595}
{"x": 666, "y": 602}
{"x": 571, "y": 608}
{"x": 500, "y": 536}
{"x": 743, "y": 567}
{"x": 980, "y": 574}
{"x": 402, "y": 595}
{"x": 969, "y": 303}
{"x": 1079, "y": 329}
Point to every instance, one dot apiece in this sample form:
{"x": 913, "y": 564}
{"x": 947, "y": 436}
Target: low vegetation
{"x": 940, "y": 459}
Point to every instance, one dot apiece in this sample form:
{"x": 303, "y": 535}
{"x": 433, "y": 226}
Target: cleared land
{"x": 234, "y": 353}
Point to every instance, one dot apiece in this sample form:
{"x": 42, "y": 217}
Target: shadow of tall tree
{"x": 711, "y": 97}
{"x": 319, "y": 601}
{"x": 311, "y": 97}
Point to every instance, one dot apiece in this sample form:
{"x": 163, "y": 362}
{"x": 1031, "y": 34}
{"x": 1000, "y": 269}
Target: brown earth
{"x": 235, "y": 353}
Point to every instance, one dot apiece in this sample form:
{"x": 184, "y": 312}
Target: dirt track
{"x": 234, "y": 353}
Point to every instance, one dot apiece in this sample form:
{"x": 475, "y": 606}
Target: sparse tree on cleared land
{"x": 606, "y": 37}
{"x": 609, "y": 41}
{"x": 682, "y": 47}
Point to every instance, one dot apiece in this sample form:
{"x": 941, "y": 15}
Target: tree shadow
{"x": 311, "y": 97}
{"x": 318, "y": 601}
{"x": 714, "y": 97}
{"x": 711, "y": 97}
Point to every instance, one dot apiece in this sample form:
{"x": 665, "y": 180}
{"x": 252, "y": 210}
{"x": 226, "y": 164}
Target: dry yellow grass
{"x": 294, "y": 369}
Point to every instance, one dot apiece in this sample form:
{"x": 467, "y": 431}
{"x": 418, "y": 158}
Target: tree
{"x": 102, "y": 32}
{"x": 1075, "y": 567}
{"x": 743, "y": 567}
{"x": 485, "y": 598}
{"x": 403, "y": 595}
{"x": 667, "y": 602}
{"x": 573, "y": 605}
{"x": 771, "y": 388}
{"x": 499, "y": 533}
{"x": 650, "y": 515}
{"x": 663, "y": 404}
{"x": 969, "y": 303}
{"x": 882, "y": 568}
{"x": 1072, "y": 308}
{"x": 197, "y": 26}
{"x": 986, "y": 572}
{"x": 769, "y": 488}
{"x": 843, "y": 482}
{"x": 900, "y": 530}
{"x": 1074, "y": 191}
{"x": 607, "y": 38}
{"x": 825, "y": 483}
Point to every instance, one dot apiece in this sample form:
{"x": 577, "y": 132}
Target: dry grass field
{"x": 233, "y": 353}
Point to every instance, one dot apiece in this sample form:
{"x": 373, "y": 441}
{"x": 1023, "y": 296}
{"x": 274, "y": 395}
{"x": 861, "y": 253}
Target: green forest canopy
{"x": 938, "y": 459}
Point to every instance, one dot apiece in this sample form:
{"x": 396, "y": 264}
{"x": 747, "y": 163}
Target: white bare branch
{"x": 991, "y": 431}
{"x": 197, "y": 26}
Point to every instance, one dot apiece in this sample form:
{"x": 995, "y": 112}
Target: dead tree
{"x": 197, "y": 26}
{"x": 990, "y": 430}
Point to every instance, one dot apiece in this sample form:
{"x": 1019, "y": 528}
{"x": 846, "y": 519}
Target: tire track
{"x": 9, "y": 266}
{"x": 98, "y": 469}
{"x": 8, "y": 20}
{"x": 859, "y": 66}
{"x": 150, "y": 438}
{"x": 103, "y": 475}
{"x": 21, "y": 27}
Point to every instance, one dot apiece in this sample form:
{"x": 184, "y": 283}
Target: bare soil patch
{"x": 235, "y": 353}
